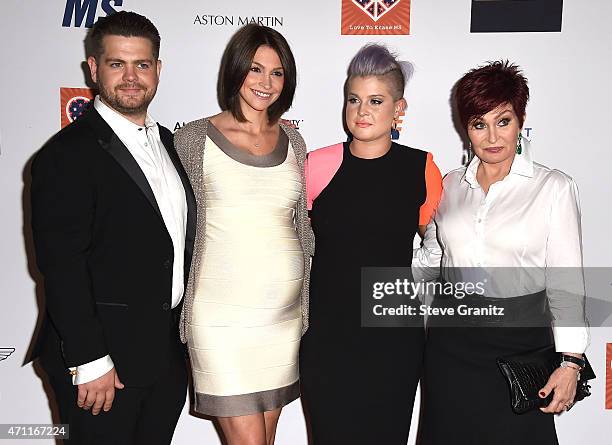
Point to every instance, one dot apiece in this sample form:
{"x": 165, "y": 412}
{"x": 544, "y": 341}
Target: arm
{"x": 564, "y": 276}
{"x": 566, "y": 291}
{"x": 63, "y": 206}
{"x": 433, "y": 186}
{"x": 426, "y": 259}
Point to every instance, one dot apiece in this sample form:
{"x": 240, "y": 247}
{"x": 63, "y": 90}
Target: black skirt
{"x": 360, "y": 389}
{"x": 465, "y": 398}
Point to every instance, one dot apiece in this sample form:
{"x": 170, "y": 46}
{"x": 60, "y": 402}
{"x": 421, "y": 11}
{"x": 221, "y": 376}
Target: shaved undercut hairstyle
{"x": 376, "y": 60}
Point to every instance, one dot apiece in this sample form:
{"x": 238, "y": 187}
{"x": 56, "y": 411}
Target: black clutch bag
{"x": 527, "y": 373}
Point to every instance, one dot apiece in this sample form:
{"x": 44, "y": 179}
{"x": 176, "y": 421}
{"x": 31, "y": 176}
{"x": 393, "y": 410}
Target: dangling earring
{"x": 519, "y": 145}
{"x": 394, "y": 131}
{"x": 470, "y": 152}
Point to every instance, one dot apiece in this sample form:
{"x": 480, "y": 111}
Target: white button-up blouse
{"x": 527, "y": 228}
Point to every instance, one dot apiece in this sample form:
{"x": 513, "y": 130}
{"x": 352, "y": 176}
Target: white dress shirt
{"x": 528, "y": 224}
{"x": 145, "y": 145}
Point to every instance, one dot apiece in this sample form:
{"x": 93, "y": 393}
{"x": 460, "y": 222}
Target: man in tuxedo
{"x": 113, "y": 218}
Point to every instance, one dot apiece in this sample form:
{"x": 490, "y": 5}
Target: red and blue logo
{"x": 73, "y": 102}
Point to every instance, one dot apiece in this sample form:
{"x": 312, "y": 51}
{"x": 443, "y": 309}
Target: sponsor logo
{"x": 238, "y": 20}
{"x": 384, "y": 17}
{"x": 87, "y": 10}
{"x": 6, "y": 353}
{"x": 609, "y": 376}
{"x": 516, "y": 15}
{"x": 73, "y": 102}
{"x": 295, "y": 123}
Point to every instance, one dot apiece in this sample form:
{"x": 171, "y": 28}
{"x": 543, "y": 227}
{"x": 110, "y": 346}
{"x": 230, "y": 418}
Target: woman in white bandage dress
{"x": 247, "y": 293}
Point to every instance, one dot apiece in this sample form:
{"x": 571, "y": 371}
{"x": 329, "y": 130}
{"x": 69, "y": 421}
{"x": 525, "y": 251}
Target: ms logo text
{"x": 87, "y": 10}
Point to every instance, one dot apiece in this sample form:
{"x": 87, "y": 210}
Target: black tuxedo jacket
{"x": 105, "y": 254}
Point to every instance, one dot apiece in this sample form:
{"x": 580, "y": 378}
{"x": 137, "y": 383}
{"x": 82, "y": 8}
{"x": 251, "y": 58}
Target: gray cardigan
{"x": 189, "y": 142}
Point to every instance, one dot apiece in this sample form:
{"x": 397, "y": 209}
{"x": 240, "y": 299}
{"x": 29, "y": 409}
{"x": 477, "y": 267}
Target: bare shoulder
{"x": 222, "y": 121}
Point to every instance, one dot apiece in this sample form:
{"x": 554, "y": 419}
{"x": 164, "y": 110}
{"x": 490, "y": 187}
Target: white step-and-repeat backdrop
{"x": 563, "y": 47}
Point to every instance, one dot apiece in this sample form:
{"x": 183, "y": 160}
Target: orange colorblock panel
{"x": 375, "y": 17}
{"x": 73, "y": 101}
{"x": 609, "y": 376}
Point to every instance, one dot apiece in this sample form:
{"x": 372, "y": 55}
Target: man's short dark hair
{"x": 125, "y": 24}
{"x": 236, "y": 63}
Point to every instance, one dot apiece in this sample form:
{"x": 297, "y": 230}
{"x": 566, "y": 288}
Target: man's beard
{"x": 127, "y": 104}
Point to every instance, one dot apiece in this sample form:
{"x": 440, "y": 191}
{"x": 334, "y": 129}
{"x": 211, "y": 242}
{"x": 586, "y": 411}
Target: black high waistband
{"x": 474, "y": 310}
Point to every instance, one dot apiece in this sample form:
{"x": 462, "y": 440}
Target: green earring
{"x": 519, "y": 145}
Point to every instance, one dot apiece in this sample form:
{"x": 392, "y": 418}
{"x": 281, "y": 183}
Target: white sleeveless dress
{"x": 246, "y": 317}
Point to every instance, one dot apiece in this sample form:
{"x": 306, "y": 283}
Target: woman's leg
{"x": 244, "y": 430}
{"x": 271, "y": 419}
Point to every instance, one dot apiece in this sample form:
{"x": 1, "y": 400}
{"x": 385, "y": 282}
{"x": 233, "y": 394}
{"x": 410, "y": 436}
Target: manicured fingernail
{"x": 542, "y": 393}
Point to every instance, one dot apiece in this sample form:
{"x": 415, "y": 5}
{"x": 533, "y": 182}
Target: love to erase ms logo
{"x": 73, "y": 102}
{"x": 370, "y": 17}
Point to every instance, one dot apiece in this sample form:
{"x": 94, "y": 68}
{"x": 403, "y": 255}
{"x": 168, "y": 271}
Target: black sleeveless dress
{"x": 358, "y": 383}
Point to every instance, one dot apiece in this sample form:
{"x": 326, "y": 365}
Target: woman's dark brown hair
{"x": 236, "y": 63}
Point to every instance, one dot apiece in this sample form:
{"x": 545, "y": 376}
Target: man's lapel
{"x": 190, "y": 232}
{"x": 110, "y": 142}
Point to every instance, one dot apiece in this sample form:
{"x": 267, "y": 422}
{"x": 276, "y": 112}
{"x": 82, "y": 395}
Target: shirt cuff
{"x": 92, "y": 370}
{"x": 571, "y": 339}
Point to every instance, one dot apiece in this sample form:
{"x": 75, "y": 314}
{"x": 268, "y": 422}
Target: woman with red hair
{"x": 512, "y": 225}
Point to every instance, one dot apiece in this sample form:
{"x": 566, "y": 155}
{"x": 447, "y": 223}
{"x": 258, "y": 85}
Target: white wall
{"x": 569, "y": 75}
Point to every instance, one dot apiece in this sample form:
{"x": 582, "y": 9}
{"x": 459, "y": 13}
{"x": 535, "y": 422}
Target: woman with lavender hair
{"x": 368, "y": 197}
